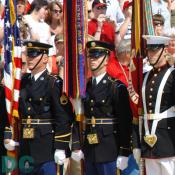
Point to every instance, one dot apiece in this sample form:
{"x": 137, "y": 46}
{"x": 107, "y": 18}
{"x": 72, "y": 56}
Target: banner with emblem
{"x": 75, "y": 32}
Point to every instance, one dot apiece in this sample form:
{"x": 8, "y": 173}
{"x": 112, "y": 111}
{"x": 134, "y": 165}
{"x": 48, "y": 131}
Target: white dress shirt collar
{"x": 36, "y": 76}
{"x": 99, "y": 78}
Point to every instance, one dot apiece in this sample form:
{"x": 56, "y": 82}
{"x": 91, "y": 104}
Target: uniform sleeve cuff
{"x": 124, "y": 151}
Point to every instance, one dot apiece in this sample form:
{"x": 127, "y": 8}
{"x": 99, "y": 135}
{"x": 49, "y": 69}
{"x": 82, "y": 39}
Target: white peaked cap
{"x": 154, "y": 39}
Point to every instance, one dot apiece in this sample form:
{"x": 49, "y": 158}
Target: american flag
{"x": 12, "y": 57}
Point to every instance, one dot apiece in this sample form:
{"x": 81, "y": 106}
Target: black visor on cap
{"x": 32, "y": 53}
{"x": 154, "y": 47}
{"x": 97, "y": 53}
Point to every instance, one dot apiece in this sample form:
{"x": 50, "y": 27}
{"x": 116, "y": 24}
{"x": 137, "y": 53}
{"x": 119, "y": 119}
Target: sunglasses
{"x": 57, "y": 11}
{"x": 95, "y": 54}
{"x": 24, "y": 63}
{"x": 101, "y": 8}
{"x": 154, "y": 47}
{"x": 158, "y": 24}
{"x": 34, "y": 53}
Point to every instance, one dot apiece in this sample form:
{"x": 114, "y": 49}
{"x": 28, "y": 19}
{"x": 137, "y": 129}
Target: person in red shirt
{"x": 100, "y": 26}
{"x": 123, "y": 56}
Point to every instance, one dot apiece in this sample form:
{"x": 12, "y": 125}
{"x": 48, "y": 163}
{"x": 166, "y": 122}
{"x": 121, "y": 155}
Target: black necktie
{"x": 32, "y": 79}
{"x": 94, "y": 82}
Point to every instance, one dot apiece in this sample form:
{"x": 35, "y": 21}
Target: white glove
{"x": 60, "y": 156}
{"x": 137, "y": 154}
{"x": 10, "y": 144}
{"x": 77, "y": 155}
{"x": 122, "y": 162}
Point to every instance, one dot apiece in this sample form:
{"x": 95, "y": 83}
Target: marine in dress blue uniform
{"x": 158, "y": 93}
{"x": 108, "y": 116}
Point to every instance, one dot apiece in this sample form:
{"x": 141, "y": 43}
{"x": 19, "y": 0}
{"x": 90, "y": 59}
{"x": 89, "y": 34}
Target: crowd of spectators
{"x": 110, "y": 23}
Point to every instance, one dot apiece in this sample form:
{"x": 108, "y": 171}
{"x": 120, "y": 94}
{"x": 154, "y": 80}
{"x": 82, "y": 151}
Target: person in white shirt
{"x": 39, "y": 30}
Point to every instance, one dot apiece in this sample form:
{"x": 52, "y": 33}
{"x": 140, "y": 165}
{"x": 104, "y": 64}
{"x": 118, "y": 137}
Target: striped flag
{"x": 12, "y": 57}
{"x": 12, "y": 70}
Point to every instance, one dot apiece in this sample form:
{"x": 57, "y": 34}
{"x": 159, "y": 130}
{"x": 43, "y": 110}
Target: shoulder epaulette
{"x": 112, "y": 79}
{"x": 55, "y": 79}
{"x": 52, "y": 76}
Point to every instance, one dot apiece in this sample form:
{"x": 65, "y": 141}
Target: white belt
{"x": 158, "y": 116}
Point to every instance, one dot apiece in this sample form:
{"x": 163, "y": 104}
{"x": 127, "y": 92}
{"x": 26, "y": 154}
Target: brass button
{"x": 151, "y": 89}
{"x": 30, "y": 99}
{"x": 41, "y": 99}
{"x": 29, "y": 121}
{"x": 28, "y": 116}
{"x": 150, "y": 96}
{"x": 159, "y": 69}
{"x": 155, "y": 75}
{"x": 150, "y": 104}
{"x": 150, "y": 111}
{"x": 92, "y": 101}
{"x": 92, "y": 109}
{"x": 29, "y": 108}
{"x": 103, "y": 101}
{"x": 153, "y": 82}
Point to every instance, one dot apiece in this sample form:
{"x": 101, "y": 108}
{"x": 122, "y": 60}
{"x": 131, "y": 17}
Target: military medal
{"x": 150, "y": 140}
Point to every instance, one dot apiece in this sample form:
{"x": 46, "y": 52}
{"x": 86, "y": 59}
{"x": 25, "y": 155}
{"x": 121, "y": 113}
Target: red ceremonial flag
{"x": 141, "y": 15}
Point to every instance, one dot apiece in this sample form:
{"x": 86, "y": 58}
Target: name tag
{"x": 28, "y": 133}
{"x": 93, "y": 138}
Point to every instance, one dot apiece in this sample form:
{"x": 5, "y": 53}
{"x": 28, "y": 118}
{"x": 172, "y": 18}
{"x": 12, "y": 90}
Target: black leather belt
{"x": 30, "y": 121}
{"x": 100, "y": 121}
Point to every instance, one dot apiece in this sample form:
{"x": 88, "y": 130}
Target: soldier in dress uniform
{"x": 158, "y": 94}
{"x": 45, "y": 123}
{"x": 108, "y": 116}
